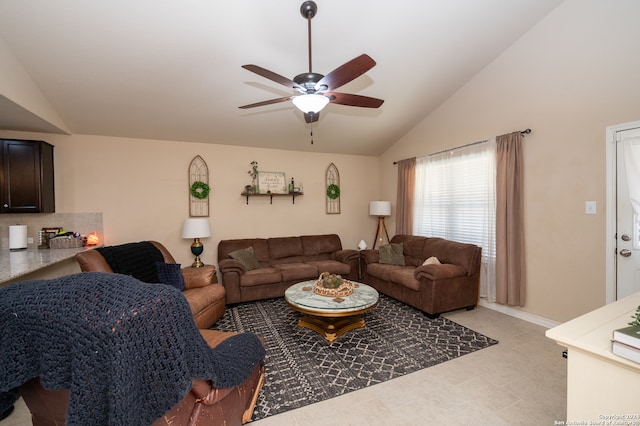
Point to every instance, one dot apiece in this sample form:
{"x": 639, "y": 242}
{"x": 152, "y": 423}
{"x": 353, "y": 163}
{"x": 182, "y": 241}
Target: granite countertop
{"x": 14, "y": 264}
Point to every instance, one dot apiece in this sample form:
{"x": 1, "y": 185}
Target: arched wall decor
{"x": 332, "y": 192}
{"x": 199, "y": 183}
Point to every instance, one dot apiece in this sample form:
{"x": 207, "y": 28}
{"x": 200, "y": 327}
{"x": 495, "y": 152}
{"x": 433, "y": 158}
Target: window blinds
{"x": 455, "y": 196}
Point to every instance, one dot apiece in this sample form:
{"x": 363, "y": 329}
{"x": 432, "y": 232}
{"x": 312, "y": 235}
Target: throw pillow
{"x": 392, "y": 254}
{"x": 432, "y": 261}
{"x": 169, "y": 274}
{"x": 246, "y": 257}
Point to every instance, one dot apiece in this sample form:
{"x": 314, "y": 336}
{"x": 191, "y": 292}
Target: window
{"x": 455, "y": 199}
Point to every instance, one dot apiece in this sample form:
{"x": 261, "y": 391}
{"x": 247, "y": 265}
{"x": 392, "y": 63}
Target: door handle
{"x": 625, "y": 252}
{"x": 625, "y": 237}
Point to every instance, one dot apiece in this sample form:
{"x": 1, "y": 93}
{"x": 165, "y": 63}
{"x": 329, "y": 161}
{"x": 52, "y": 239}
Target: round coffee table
{"x": 331, "y": 316}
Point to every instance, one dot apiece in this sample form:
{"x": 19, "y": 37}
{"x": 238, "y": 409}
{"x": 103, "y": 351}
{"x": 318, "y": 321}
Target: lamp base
{"x": 381, "y": 226}
{"x": 196, "y": 249}
{"x": 198, "y": 263}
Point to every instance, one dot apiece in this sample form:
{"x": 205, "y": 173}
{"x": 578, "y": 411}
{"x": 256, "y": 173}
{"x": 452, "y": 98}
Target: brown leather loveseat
{"x": 262, "y": 268}
{"x": 206, "y": 298}
{"x": 452, "y": 282}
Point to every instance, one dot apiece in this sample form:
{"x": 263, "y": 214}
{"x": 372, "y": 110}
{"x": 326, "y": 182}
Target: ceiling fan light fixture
{"x": 310, "y": 103}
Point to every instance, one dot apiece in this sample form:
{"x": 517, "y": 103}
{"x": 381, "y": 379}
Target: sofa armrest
{"x": 439, "y": 272}
{"x": 345, "y": 256}
{"x": 231, "y": 265}
{"x": 207, "y": 394}
{"x": 92, "y": 261}
{"x": 370, "y": 256}
{"x": 198, "y": 277}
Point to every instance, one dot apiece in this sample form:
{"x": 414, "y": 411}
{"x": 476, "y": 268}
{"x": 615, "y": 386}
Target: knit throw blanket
{"x": 135, "y": 259}
{"x": 126, "y": 350}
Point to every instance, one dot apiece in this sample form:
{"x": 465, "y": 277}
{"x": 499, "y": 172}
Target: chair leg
{"x": 248, "y": 413}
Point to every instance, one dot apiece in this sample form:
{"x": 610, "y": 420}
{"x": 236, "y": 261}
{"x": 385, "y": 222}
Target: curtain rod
{"x": 523, "y": 132}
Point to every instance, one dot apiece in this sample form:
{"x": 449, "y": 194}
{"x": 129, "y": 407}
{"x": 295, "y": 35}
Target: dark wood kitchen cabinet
{"x": 26, "y": 176}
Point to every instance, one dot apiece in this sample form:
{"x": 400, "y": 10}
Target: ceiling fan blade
{"x": 354, "y": 100}
{"x": 271, "y": 76}
{"x": 311, "y": 117}
{"x": 269, "y": 102}
{"x": 346, "y": 72}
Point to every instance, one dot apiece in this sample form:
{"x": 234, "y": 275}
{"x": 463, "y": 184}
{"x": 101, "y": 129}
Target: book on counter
{"x": 630, "y": 336}
{"x": 629, "y": 352}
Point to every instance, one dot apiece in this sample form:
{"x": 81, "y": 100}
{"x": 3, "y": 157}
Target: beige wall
{"x": 141, "y": 187}
{"x": 569, "y": 78}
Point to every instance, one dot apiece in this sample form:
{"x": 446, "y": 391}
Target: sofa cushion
{"x": 431, "y": 261}
{"x": 381, "y": 271}
{"x": 260, "y": 276}
{"x": 405, "y": 277}
{"x": 331, "y": 266}
{"x": 392, "y": 254}
{"x": 413, "y": 251}
{"x": 284, "y": 247}
{"x": 170, "y": 274}
{"x": 246, "y": 257}
{"x": 465, "y": 255}
{"x": 297, "y": 271}
{"x": 260, "y": 248}
{"x": 320, "y": 247}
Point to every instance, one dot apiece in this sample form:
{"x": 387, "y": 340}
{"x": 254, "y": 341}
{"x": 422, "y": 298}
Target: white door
{"x": 627, "y": 221}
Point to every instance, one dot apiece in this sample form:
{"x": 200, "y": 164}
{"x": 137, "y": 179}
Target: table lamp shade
{"x": 196, "y": 227}
{"x": 380, "y": 208}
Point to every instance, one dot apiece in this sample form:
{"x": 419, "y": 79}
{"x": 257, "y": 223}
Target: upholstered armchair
{"x": 102, "y": 349}
{"x": 201, "y": 289}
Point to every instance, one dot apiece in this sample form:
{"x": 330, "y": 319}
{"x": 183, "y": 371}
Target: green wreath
{"x": 200, "y": 190}
{"x": 333, "y": 191}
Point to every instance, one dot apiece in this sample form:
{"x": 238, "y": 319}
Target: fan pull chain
{"x": 311, "y": 134}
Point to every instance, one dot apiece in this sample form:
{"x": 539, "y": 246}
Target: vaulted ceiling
{"x": 172, "y": 69}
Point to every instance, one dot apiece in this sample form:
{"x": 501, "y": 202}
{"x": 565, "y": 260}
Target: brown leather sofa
{"x": 281, "y": 262}
{"x": 204, "y": 405}
{"x": 205, "y": 296}
{"x": 433, "y": 288}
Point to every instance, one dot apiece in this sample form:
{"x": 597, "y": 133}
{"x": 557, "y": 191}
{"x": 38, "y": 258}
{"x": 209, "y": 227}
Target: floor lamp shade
{"x": 380, "y": 209}
{"x": 196, "y": 228}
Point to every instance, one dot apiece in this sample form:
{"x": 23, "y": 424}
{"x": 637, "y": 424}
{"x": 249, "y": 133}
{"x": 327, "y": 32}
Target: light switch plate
{"x": 590, "y": 207}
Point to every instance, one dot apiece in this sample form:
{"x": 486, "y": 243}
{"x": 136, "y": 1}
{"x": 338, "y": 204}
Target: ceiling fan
{"x": 317, "y": 90}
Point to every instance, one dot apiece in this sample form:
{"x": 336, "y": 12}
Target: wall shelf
{"x": 293, "y": 196}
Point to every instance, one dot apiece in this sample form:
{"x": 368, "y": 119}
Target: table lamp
{"x": 196, "y": 228}
{"x": 380, "y": 209}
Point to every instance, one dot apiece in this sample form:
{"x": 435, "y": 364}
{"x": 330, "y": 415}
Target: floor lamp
{"x": 380, "y": 209}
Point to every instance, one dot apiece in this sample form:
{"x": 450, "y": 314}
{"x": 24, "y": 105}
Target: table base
{"x": 331, "y": 327}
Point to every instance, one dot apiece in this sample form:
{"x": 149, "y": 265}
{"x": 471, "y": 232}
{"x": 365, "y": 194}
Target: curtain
{"x": 405, "y": 196}
{"x": 455, "y": 199}
{"x": 510, "y": 259}
{"x": 631, "y": 148}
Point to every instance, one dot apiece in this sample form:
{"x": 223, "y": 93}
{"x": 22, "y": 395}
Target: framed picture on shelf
{"x": 272, "y": 183}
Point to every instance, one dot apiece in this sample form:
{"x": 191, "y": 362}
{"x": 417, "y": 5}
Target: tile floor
{"x": 520, "y": 381}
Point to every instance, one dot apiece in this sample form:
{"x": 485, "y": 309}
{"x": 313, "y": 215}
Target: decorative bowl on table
{"x": 332, "y": 285}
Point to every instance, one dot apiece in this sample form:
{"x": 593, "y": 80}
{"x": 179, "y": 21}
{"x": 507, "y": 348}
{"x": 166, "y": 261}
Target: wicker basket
{"x": 345, "y": 289}
{"x": 65, "y": 242}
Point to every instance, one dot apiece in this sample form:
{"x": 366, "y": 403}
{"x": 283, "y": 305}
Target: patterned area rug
{"x": 303, "y": 368}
